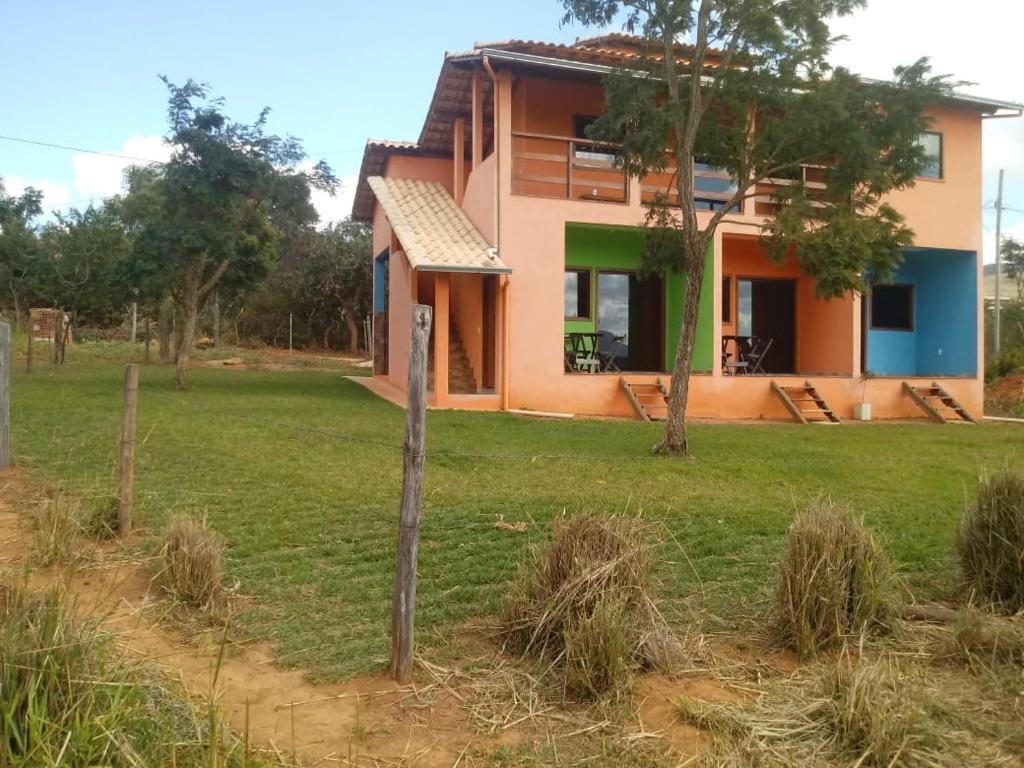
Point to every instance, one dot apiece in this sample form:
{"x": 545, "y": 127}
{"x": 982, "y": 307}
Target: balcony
{"x": 564, "y": 168}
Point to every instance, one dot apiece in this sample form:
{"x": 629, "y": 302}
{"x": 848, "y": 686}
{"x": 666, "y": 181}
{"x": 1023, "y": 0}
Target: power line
{"x": 80, "y": 149}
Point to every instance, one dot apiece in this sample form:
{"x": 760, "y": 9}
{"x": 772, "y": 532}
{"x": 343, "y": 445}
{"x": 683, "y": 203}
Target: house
{"x": 525, "y": 239}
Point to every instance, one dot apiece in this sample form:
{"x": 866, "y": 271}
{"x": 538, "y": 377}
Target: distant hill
{"x": 1006, "y": 285}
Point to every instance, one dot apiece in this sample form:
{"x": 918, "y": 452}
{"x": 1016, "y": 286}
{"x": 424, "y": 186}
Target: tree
{"x": 340, "y": 270}
{"x": 21, "y": 261}
{"x": 214, "y": 212}
{"x": 88, "y": 257}
{"x": 761, "y": 106}
{"x": 1012, "y": 253}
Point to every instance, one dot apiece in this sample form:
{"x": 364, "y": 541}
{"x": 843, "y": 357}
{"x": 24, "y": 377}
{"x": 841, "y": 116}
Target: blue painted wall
{"x": 380, "y": 282}
{"x": 944, "y": 341}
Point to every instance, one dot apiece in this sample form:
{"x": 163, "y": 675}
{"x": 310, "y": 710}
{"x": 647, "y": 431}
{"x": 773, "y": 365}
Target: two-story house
{"x": 525, "y": 239}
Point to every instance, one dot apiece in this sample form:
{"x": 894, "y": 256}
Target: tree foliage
{"x": 217, "y": 210}
{"x": 1012, "y": 252}
{"x": 20, "y": 256}
{"x": 744, "y": 86}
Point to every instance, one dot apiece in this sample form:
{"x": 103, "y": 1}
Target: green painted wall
{"x": 605, "y": 247}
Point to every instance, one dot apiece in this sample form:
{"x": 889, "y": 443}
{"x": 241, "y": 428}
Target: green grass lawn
{"x": 301, "y": 472}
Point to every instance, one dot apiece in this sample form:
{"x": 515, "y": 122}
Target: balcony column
{"x": 459, "y": 158}
{"x": 477, "y": 128}
{"x": 441, "y": 284}
{"x": 717, "y": 254}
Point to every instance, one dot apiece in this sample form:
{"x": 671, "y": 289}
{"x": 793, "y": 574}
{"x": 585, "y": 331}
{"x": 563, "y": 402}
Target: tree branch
{"x": 209, "y": 285}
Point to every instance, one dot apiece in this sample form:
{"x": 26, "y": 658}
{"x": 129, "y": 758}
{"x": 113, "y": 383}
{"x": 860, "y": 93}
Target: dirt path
{"x": 366, "y": 721}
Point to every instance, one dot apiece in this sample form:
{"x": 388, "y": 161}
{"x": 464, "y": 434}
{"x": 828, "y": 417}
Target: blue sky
{"x": 334, "y": 73}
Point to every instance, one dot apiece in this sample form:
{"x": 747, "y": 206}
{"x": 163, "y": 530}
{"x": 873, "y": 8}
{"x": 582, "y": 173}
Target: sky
{"x": 335, "y": 73}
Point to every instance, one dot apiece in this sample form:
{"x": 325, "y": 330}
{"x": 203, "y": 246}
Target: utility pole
{"x": 998, "y": 343}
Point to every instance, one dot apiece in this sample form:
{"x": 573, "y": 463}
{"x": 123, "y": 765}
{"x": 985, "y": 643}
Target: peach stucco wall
{"x": 479, "y": 200}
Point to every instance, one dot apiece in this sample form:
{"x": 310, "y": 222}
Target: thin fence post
{"x": 5, "y": 395}
{"x": 289, "y": 331}
{"x": 149, "y": 338}
{"x": 28, "y": 352}
{"x": 403, "y": 602}
{"x": 56, "y": 343}
{"x": 127, "y": 462}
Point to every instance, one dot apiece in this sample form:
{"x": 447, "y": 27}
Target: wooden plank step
{"x": 926, "y": 397}
{"x": 816, "y": 410}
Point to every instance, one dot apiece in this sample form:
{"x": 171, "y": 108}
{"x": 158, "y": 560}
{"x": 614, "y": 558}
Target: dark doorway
{"x": 489, "y": 329}
{"x": 381, "y": 298}
{"x": 767, "y": 310}
{"x": 630, "y": 317}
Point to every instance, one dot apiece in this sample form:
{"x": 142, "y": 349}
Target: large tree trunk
{"x": 353, "y": 332}
{"x": 675, "y": 441}
{"x": 164, "y": 328}
{"x": 186, "y": 331}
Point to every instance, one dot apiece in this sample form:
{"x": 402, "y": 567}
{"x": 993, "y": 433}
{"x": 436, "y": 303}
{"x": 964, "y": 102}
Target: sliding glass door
{"x": 630, "y": 318}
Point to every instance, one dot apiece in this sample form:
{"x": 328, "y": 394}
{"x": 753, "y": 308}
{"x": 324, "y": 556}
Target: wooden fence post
{"x": 127, "y": 462}
{"x": 403, "y": 602}
{"x": 56, "y": 343}
{"x": 28, "y": 352}
{"x": 5, "y": 395}
{"x": 149, "y": 338}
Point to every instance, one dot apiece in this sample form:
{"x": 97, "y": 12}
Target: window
{"x": 931, "y": 142}
{"x": 577, "y": 294}
{"x": 591, "y": 154}
{"x": 711, "y": 187}
{"x": 726, "y": 299}
{"x": 892, "y": 307}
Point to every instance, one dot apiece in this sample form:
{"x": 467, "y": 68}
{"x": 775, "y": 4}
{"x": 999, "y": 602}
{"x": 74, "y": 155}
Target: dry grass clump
{"x": 984, "y": 641}
{"x": 834, "y": 581}
{"x": 56, "y": 529}
{"x": 868, "y": 714}
{"x": 873, "y": 716}
{"x": 584, "y": 602}
{"x": 192, "y": 567}
{"x": 990, "y": 542}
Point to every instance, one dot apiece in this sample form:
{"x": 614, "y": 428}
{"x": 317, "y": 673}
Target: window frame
{"x": 911, "y": 288}
{"x": 942, "y": 156}
{"x": 589, "y": 271}
{"x": 728, "y": 304}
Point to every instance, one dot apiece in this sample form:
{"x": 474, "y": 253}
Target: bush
{"x": 192, "y": 570}
{"x": 584, "y": 601}
{"x": 834, "y": 580}
{"x": 990, "y": 542}
{"x": 998, "y": 366}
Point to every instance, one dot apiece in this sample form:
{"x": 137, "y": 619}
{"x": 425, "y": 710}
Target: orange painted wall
{"x": 824, "y": 328}
{"x": 426, "y": 168}
{"x": 400, "y": 319}
{"x": 548, "y": 106}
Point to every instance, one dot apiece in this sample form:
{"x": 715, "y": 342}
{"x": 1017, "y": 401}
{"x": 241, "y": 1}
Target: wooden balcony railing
{"x": 579, "y": 169}
{"x": 566, "y": 169}
{"x": 813, "y": 177}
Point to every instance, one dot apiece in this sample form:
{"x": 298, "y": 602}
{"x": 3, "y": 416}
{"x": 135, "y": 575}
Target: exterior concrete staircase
{"x": 461, "y": 380}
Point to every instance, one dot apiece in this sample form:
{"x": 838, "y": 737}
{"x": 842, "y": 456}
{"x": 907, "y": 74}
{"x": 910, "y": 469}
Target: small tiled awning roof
{"x": 434, "y": 231}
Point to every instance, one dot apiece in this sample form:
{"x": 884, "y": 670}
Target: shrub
{"x": 56, "y": 529}
{"x": 834, "y": 580}
{"x": 192, "y": 570}
{"x": 990, "y": 542}
{"x": 584, "y": 601}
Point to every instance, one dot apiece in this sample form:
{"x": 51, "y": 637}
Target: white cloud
{"x": 98, "y": 176}
{"x": 339, "y": 206}
{"x": 55, "y": 193}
